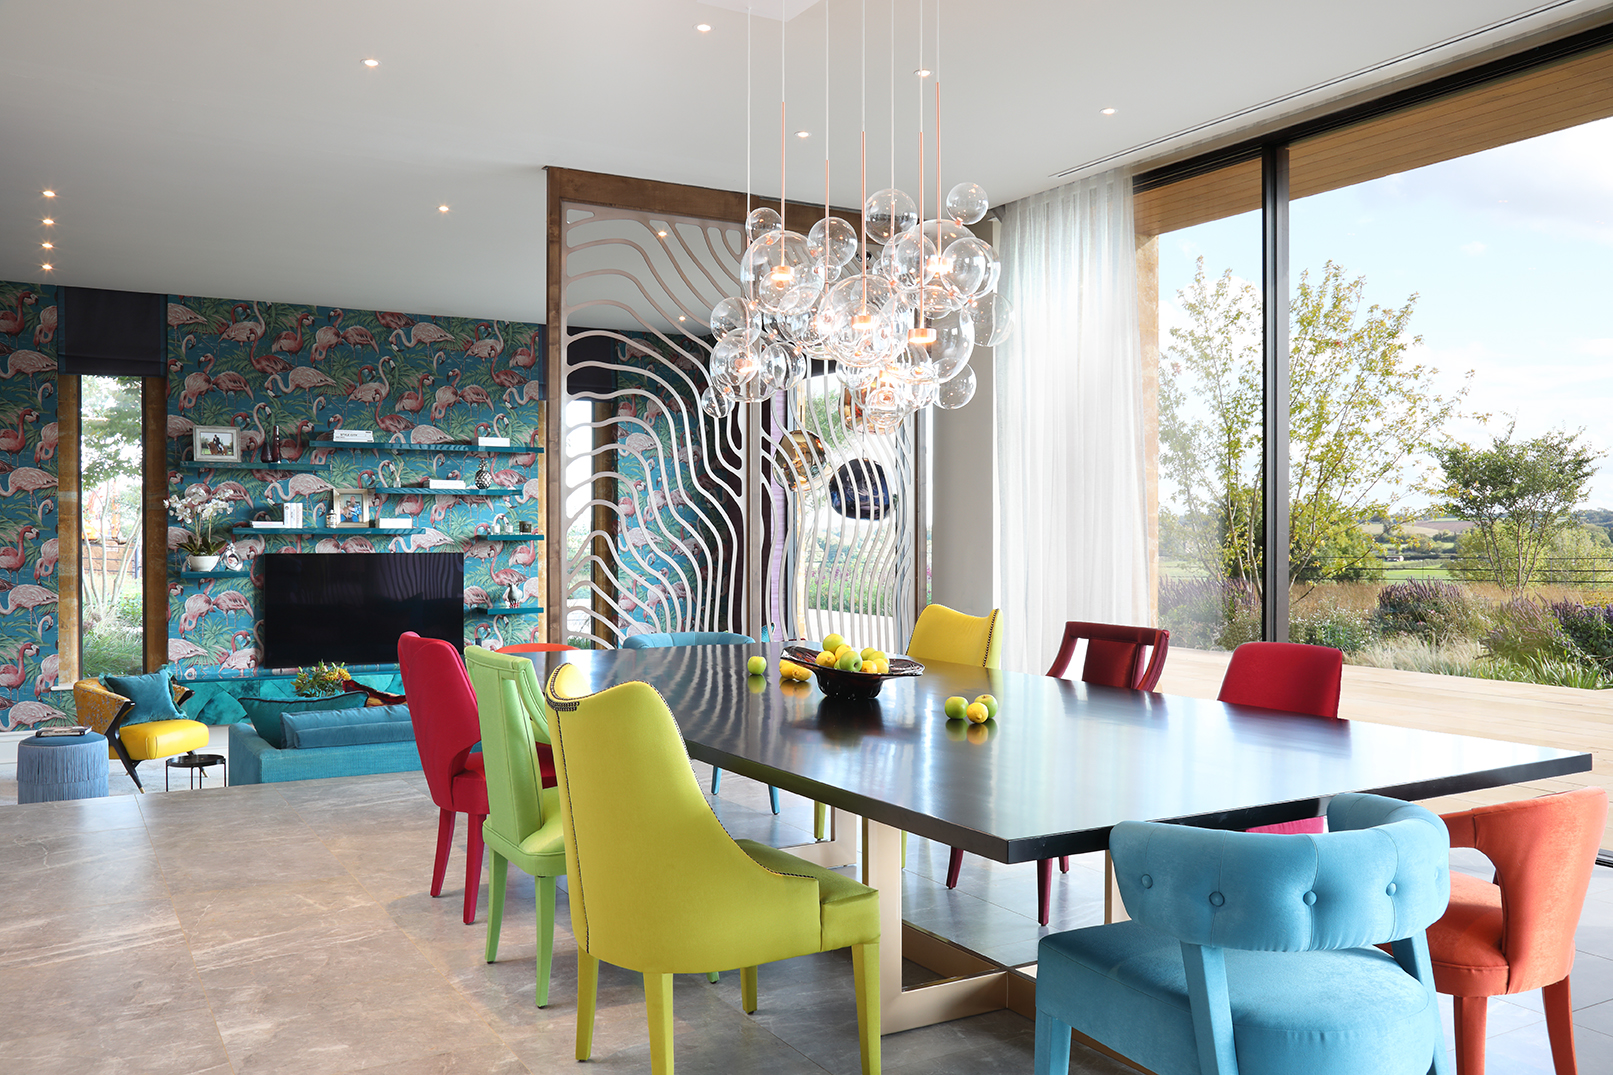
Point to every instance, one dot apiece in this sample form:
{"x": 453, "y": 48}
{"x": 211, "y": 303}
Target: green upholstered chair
{"x": 523, "y": 819}
{"x": 657, "y": 886}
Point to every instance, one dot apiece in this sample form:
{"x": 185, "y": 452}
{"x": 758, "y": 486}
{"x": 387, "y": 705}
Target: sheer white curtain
{"x": 1071, "y": 488}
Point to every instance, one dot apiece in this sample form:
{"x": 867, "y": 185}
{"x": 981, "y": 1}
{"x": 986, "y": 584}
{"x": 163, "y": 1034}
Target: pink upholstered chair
{"x": 442, "y": 707}
{"x": 1290, "y": 676}
{"x": 1115, "y": 658}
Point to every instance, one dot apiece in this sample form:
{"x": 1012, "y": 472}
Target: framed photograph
{"x": 217, "y": 444}
{"x": 350, "y": 507}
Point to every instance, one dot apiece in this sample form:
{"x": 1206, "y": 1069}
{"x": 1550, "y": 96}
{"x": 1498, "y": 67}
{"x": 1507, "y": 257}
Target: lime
{"x": 954, "y": 707}
{"x": 757, "y": 666}
{"x": 833, "y": 642}
{"x": 849, "y": 662}
{"x": 990, "y": 702}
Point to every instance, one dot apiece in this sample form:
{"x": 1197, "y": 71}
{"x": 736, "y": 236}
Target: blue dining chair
{"x": 666, "y": 639}
{"x": 1252, "y": 953}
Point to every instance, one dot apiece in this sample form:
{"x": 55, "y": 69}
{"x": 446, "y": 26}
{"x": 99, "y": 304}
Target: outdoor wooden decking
{"x": 1521, "y": 712}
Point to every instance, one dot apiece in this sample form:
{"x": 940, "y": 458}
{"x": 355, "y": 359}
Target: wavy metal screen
{"x": 778, "y": 515}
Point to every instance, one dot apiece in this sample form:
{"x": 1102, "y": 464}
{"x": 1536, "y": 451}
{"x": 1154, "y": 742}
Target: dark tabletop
{"x": 1062, "y": 763}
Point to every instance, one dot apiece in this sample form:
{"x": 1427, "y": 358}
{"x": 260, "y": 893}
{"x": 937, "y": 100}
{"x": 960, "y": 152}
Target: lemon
{"x": 756, "y": 666}
{"x": 977, "y": 713}
{"x": 841, "y": 650}
{"x": 954, "y": 707}
{"x": 826, "y": 659}
{"x": 990, "y": 702}
{"x": 833, "y": 642}
{"x": 977, "y": 733}
{"x": 884, "y": 666}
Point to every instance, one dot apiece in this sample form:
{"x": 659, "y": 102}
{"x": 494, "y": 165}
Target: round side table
{"x": 195, "y": 766}
{"x": 60, "y": 767}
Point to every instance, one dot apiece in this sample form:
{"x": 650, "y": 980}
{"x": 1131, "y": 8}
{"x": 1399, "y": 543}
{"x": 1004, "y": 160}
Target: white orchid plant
{"x": 196, "y": 511}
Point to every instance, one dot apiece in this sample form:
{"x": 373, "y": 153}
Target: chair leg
{"x": 1471, "y": 1014}
{"x": 545, "y": 887}
{"x": 1560, "y": 1027}
{"x": 1052, "y": 1045}
{"x": 658, "y": 1007}
{"x": 1064, "y": 864}
{"x": 474, "y": 851}
{"x": 1044, "y": 882}
{"x": 954, "y": 865}
{"x": 716, "y": 779}
{"x": 865, "y": 977}
{"x": 495, "y": 904}
{"x": 587, "y": 1000}
{"x": 820, "y": 820}
{"x": 713, "y": 977}
{"x": 747, "y": 990}
{"x": 772, "y": 795}
{"x": 445, "y": 841}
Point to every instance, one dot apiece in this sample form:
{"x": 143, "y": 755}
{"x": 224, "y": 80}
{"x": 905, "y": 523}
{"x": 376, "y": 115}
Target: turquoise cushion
{"x": 265, "y": 713}
{"x": 1321, "y": 1013}
{"x": 212, "y": 703}
{"x": 344, "y": 727}
{"x": 152, "y": 695}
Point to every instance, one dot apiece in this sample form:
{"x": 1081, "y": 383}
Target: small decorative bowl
{"x": 838, "y": 684}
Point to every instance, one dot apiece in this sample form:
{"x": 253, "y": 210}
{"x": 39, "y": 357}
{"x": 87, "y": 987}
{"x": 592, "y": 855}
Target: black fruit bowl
{"x": 851, "y": 685}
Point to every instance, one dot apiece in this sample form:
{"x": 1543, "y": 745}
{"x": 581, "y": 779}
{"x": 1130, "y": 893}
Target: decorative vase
{"x": 274, "y": 445}
{"x": 203, "y": 563}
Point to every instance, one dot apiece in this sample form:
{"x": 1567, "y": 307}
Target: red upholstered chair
{"x": 1115, "y": 658}
{"x": 1290, "y": 676}
{"x": 442, "y": 707}
{"x": 1517, "y": 934}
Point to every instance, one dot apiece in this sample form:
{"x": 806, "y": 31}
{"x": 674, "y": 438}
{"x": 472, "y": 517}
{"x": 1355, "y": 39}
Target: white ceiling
{"x": 218, "y": 147}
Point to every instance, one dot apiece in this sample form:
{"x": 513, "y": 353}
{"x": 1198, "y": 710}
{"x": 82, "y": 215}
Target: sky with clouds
{"x": 1510, "y": 252}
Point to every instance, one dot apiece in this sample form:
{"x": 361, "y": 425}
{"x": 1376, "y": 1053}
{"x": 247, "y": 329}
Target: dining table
{"x": 1060, "y": 765}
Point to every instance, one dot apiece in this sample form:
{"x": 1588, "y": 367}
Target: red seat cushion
{"x": 1467, "y": 941}
{"x": 470, "y": 786}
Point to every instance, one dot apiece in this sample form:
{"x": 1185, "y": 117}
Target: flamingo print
{"x": 289, "y": 342}
{"x": 197, "y": 605}
{"x": 183, "y": 315}
{"x": 327, "y": 336}
{"x": 26, "y": 596}
{"x": 26, "y": 480}
{"x": 299, "y": 379}
{"x": 183, "y": 649}
{"x": 49, "y": 436}
{"x": 46, "y": 330}
{"x": 423, "y": 333}
{"x": 12, "y": 322}
{"x": 527, "y": 357}
{"x": 447, "y": 396}
{"x": 487, "y": 349}
{"x": 197, "y": 384}
{"x": 371, "y": 391}
{"x": 247, "y": 332}
{"x": 29, "y": 714}
{"x": 415, "y": 401}
{"x": 15, "y": 440}
{"x": 49, "y": 554}
{"x": 26, "y": 362}
{"x": 359, "y": 336}
{"x": 12, "y": 676}
{"x": 50, "y": 670}
{"x": 393, "y": 320}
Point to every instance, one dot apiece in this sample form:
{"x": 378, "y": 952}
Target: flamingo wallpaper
{"x": 412, "y": 379}
{"x": 28, "y": 556}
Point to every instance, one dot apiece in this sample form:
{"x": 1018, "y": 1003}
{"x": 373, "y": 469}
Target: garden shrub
{"x": 1525, "y": 632}
{"x": 1199, "y": 612}
{"x": 1341, "y": 628}
{"x": 1591, "y": 629}
{"x": 1439, "y": 612}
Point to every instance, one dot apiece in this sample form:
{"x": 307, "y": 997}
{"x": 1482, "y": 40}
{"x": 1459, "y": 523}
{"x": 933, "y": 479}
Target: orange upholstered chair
{"x": 1517, "y": 934}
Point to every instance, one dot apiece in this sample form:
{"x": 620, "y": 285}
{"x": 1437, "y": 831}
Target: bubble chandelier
{"x": 898, "y": 308}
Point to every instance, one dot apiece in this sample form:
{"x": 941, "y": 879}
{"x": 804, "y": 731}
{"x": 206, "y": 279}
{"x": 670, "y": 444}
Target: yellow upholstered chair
{"x": 129, "y": 739}
{"x": 944, "y": 634}
{"x": 523, "y": 817}
{"x": 656, "y": 884}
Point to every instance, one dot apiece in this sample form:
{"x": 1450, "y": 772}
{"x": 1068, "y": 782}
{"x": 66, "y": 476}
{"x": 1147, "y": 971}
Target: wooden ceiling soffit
{"x": 676, "y": 199}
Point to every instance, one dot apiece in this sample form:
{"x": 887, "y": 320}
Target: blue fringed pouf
{"x": 61, "y": 767}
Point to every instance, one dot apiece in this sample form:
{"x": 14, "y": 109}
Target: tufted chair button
{"x": 1310, "y": 899}
{"x": 1391, "y": 889}
{"x": 1146, "y": 880}
{"x": 1216, "y": 899}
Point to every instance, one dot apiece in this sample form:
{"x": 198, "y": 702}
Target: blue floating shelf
{"x": 348, "y": 531}
{"x": 524, "y": 610}
{"x": 220, "y": 573}
{"x": 507, "y": 537}
{"x": 302, "y": 467}
{"x": 399, "y": 446}
{"x": 405, "y": 490}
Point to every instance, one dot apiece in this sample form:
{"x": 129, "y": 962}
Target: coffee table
{"x": 1060, "y": 766}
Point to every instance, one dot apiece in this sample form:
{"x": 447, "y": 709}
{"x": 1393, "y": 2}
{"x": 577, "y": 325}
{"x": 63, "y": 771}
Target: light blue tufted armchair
{"x": 1251, "y": 953}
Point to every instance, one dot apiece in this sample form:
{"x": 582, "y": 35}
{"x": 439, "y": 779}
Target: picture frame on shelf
{"x": 216, "y": 444}
{"x": 350, "y": 507}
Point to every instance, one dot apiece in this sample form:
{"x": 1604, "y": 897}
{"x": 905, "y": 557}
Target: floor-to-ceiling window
{"x": 111, "y": 552}
{"x": 1446, "y": 367}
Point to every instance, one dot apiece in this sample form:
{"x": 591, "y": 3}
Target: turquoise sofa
{"x": 254, "y": 761}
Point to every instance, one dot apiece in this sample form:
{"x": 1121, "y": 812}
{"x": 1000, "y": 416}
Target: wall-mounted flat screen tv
{"x": 351, "y": 608}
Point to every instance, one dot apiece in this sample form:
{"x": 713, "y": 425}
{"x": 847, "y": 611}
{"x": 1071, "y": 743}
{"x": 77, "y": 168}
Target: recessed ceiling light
{"x": 703, "y": 27}
{"x": 48, "y": 193}
{"x": 47, "y": 220}
{"x": 46, "y": 266}
{"x": 661, "y": 233}
{"x": 682, "y": 318}
{"x": 372, "y": 63}
{"x": 48, "y": 246}
{"x": 923, "y": 72}
{"x": 442, "y": 209}
{"x": 1108, "y": 111}
{"x": 803, "y": 134}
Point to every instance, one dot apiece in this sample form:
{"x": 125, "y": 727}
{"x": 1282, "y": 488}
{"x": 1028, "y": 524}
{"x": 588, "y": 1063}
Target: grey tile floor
{"x": 286, "y": 928}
